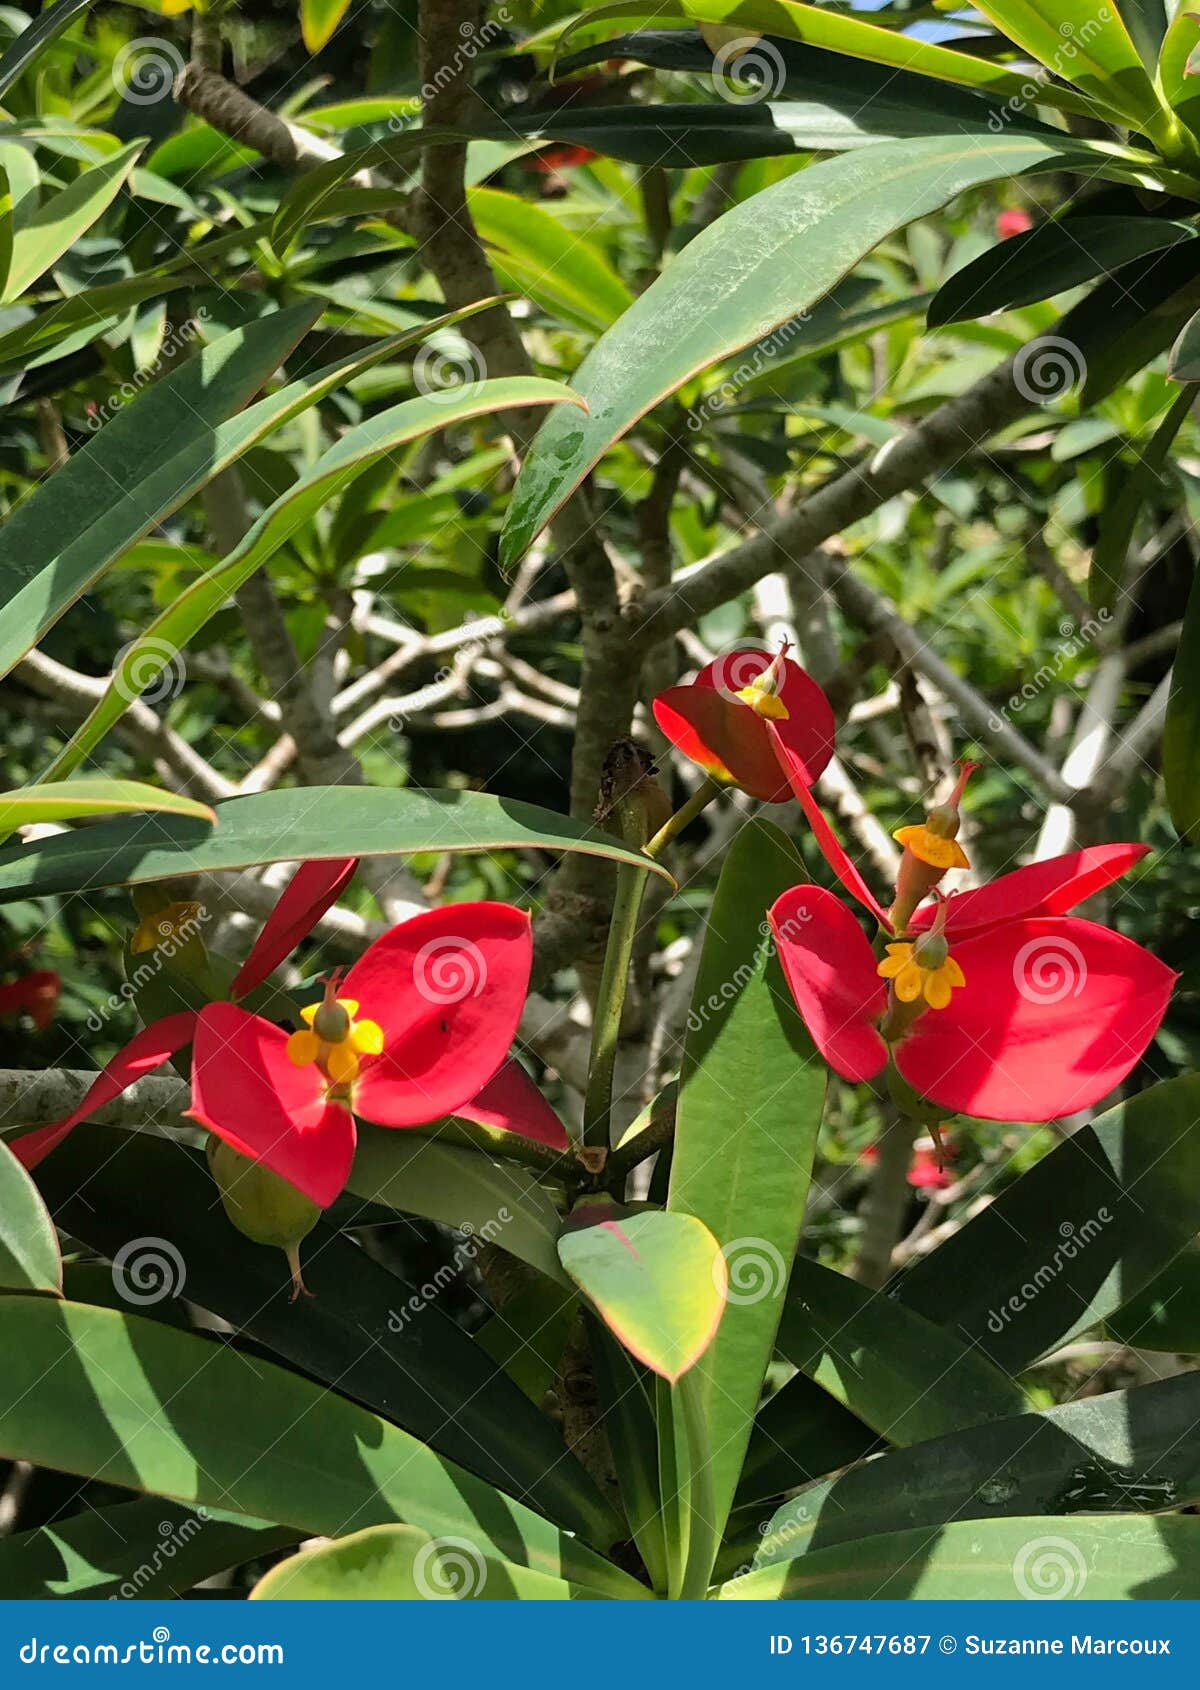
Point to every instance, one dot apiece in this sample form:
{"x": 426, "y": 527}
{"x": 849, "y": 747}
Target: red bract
{"x": 418, "y": 1026}
{"x": 1010, "y": 223}
{"x": 440, "y": 998}
{"x": 729, "y": 717}
{"x": 1029, "y": 1017}
{"x": 35, "y": 995}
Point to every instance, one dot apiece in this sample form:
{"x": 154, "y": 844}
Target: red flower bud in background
{"x": 35, "y": 994}
{"x": 1012, "y": 222}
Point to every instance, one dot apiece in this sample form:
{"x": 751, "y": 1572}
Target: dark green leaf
{"x": 1049, "y": 260}
{"x": 1181, "y": 732}
{"x": 1166, "y": 1315}
{"x": 135, "y": 1403}
{"x": 29, "y": 1259}
{"x": 22, "y": 52}
{"x": 271, "y": 827}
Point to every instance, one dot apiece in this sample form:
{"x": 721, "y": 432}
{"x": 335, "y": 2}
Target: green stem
{"x": 614, "y": 979}
{"x": 610, "y": 1003}
{"x": 686, "y": 813}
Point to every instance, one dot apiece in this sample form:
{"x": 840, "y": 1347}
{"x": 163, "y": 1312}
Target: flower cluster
{"x": 957, "y": 1010}
{"x": 419, "y": 1028}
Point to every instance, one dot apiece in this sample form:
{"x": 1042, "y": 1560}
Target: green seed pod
{"x": 262, "y": 1205}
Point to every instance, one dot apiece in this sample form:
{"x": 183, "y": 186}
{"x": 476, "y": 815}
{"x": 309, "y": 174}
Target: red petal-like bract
{"x": 447, "y": 988}
{"x": 37, "y": 994}
{"x": 145, "y": 1052}
{"x": 314, "y": 888}
{"x": 1041, "y": 889}
{"x": 512, "y": 1102}
{"x": 246, "y": 1089}
{"x": 1054, "y": 1014}
{"x": 831, "y": 846}
{"x": 707, "y": 722}
{"x": 830, "y": 967}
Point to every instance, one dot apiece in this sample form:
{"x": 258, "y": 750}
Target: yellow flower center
{"x": 338, "y": 1057}
{"x": 173, "y": 921}
{"x": 916, "y": 975}
{"x": 932, "y": 848}
{"x": 762, "y": 695}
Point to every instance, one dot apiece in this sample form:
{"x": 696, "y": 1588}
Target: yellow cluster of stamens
{"x": 334, "y": 1040}
{"x": 762, "y": 695}
{"x": 913, "y": 979}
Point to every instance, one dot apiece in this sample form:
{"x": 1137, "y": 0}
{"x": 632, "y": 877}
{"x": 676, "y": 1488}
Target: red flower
{"x": 732, "y": 716}
{"x": 35, "y": 994}
{"x": 423, "y": 1025}
{"x": 926, "y": 1171}
{"x": 420, "y": 1024}
{"x": 561, "y": 155}
{"x": 1010, "y": 223}
{"x": 1031, "y": 1015}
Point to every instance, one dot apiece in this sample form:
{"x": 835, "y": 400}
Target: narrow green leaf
{"x": 897, "y": 1372}
{"x": 145, "y": 1551}
{"x": 58, "y": 801}
{"x": 1041, "y": 1556}
{"x": 1076, "y": 1237}
{"x": 1181, "y": 731}
{"x": 318, "y": 21}
{"x": 559, "y": 269}
{"x": 627, "y": 1394}
{"x": 1088, "y": 46}
{"x": 657, "y": 1281}
{"x": 284, "y": 825}
{"x": 1184, "y": 364}
{"x": 1049, "y": 260}
{"x": 6, "y": 228}
{"x": 29, "y": 1258}
{"x": 403, "y": 1564}
{"x": 839, "y": 32}
{"x": 477, "y": 1194}
{"x": 369, "y": 1333}
{"x": 751, "y": 1096}
{"x": 762, "y": 263}
{"x": 528, "y": 1335}
{"x": 1126, "y": 1451}
{"x": 801, "y": 1433}
{"x": 94, "y": 307}
{"x": 59, "y": 221}
{"x": 140, "y": 466}
{"x": 131, "y": 1402}
{"x": 151, "y": 652}
{"x": 23, "y": 51}
{"x": 1179, "y": 88}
